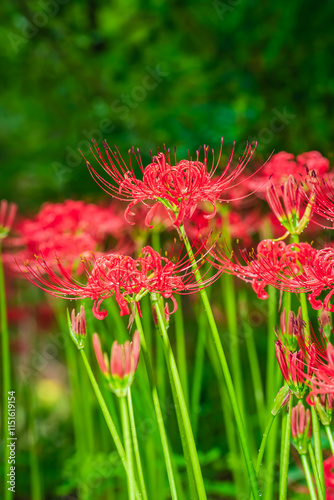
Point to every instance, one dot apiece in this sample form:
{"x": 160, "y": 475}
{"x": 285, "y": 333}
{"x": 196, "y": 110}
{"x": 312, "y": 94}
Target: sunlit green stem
{"x": 308, "y": 476}
{"x": 318, "y": 446}
{"x": 226, "y": 372}
{"x": 263, "y": 443}
{"x": 330, "y": 438}
{"x": 285, "y": 454}
{"x": 136, "y": 447}
{"x": 321, "y": 492}
{"x": 271, "y": 355}
{"x": 181, "y": 350}
{"x": 180, "y": 404}
{"x": 157, "y": 408}
{"x": 6, "y": 377}
{"x": 230, "y": 306}
{"x": 128, "y": 447}
{"x": 198, "y": 372}
{"x": 35, "y": 477}
{"x": 107, "y": 416}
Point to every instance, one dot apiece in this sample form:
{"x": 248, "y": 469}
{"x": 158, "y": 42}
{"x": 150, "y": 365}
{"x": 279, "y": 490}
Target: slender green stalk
{"x": 308, "y": 476}
{"x": 128, "y": 447}
{"x": 321, "y": 492}
{"x": 238, "y": 472}
{"x": 157, "y": 408}
{"x": 271, "y": 460}
{"x": 106, "y": 414}
{"x": 6, "y": 377}
{"x": 285, "y": 456}
{"x": 230, "y": 306}
{"x": 271, "y": 354}
{"x": 226, "y": 372}
{"x": 35, "y": 477}
{"x": 198, "y": 372}
{"x": 248, "y": 334}
{"x": 263, "y": 443}
{"x": 330, "y": 438}
{"x": 181, "y": 350}
{"x": 136, "y": 447}
{"x": 318, "y": 446}
{"x": 184, "y": 422}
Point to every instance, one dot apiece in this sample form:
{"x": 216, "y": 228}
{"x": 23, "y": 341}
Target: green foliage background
{"x": 229, "y": 65}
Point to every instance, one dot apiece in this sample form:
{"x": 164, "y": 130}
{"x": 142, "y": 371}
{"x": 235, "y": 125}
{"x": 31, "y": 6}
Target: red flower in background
{"x": 329, "y": 477}
{"x": 65, "y": 231}
{"x": 179, "y": 187}
{"x": 126, "y": 278}
{"x": 278, "y": 169}
{"x": 274, "y": 263}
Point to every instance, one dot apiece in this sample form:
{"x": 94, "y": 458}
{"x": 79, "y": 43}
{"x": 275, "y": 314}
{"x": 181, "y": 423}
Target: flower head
{"x": 67, "y": 230}
{"x": 289, "y": 213}
{"x": 179, "y": 187}
{"x": 121, "y": 276}
{"x": 7, "y": 216}
{"x": 119, "y": 372}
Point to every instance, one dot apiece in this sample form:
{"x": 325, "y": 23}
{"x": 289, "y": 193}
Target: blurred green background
{"x": 144, "y": 73}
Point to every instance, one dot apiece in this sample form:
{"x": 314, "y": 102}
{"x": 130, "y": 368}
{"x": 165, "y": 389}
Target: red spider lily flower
{"x": 121, "y": 276}
{"x": 119, "y": 372}
{"x": 77, "y": 326}
{"x": 281, "y": 165}
{"x": 240, "y": 225}
{"x": 289, "y": 214}
{"x": 66, "y": 230}
{"x": 301, "y": 427}
{"x": 274, "y": 263}
{"x": 323, "y": 189}
{"x": 179, "y": 187}
{"x": 293, "y": 361}
{"x": 7, "y": 216}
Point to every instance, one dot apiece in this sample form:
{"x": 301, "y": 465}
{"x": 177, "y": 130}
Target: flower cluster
{"x": 121, "y": 276}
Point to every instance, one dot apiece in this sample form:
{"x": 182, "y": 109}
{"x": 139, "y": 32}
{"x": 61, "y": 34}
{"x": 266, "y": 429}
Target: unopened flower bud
{"x": 119, "y": 373}
{"x": 324, "y": 407}
{"x": 301, "y": 427}
{"x": 77, "y": 327}
{"x": 7, "y": 216}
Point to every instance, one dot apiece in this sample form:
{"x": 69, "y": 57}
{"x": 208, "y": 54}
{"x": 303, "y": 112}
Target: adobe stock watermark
{"x": 279, "y": 121}
{"x": 222, "y": 8}
{"x": 28, "y": 29}
{"x": 122, "y": 107}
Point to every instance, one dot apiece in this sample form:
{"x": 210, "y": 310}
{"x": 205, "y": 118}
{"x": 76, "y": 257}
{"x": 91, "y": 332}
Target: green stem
{"x": 271, "y": 354}
{"x": 330, "y": 438}
{"x": 263, "y": 443}
{"x": 230, "y": 306}
{"x": 184, "y": 421}
{"x": 248, "y": 334}
{"x": 285, "y": 455}
{"x": 318, "y": 446}
{"x": 128, "y": 446}
{"x": 308, "y": 476}
{"x": 6, "y": 377}
{"x": 136, "y": 447}
{"x": 226, "y": 372}
{"x": 181, "y": 350}
{"x": 35, "y": 477}
{"x": 157, "y": 409}
{"x": 271, "y": 461}
{"x": 198, "y": 372}
{"x": 106, "y": 414}
{"x": 321, "y": 492}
